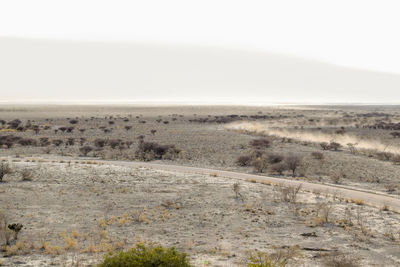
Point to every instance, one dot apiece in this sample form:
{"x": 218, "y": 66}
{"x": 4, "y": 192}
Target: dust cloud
{"x": 316, "y": 137}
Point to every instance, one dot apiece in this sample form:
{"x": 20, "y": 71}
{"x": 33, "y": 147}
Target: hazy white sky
{"x": 354, "y": 33}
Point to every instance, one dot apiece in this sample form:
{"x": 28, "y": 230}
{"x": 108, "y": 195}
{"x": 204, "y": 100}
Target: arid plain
{"x": 70, "y": 176}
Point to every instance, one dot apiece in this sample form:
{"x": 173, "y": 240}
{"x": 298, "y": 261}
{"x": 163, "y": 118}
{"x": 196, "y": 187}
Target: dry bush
{"x": 391, "y": 187}
{"x": 395, "y": 159}
{"x": 100, "y": 143}
{"x": 243, "y": 161}
{"x": 324, "y": 145}
{"x": 334, "y": 146}
{"x": 57, "y": 142}
{"x": 236, "y": 189}
{"x": 289, "y": 193}
{"x": 150, "y": 150}
{"x": 384, "y": 156}
{"x": 4, "y": 169}
{"x": 340, "y": 260}
{"x": 5, "y": 233}
{"x": 317, "y": 155}
{"x": 113, "y": 143}
{"x": 324, "y": 210}
{"x": 260, "y": 164}
{"x": 260, "y": 143}
{"x": 275, "y": 158}
{"x": 85, "y": 150}
{"x": 27, "y": 142}
{"x": 279, "y": 168}
{"x": 27, "y": 174}
{"x": 352, "y": 147}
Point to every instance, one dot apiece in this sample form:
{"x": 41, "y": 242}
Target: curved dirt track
{"x": 369, "y": 198}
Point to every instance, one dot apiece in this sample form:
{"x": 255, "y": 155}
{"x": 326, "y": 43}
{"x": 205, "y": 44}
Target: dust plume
{"x": 316, "y": 137}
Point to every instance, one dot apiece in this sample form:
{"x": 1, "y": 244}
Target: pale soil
{"x": 197, "y": 214}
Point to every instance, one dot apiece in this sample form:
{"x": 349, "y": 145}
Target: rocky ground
{"x": 73, "y": 213}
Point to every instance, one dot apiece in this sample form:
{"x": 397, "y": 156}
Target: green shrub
{"x": 142, "y": 256}
{"x": 260, "y": 259}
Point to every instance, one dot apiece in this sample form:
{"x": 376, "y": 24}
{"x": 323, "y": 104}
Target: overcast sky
{"x": 360, "y": 34}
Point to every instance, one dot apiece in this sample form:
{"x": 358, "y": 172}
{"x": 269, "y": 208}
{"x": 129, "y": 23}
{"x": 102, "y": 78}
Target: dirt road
{"x": 369, "y": 198}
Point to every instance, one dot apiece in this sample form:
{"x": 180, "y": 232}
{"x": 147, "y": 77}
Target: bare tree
{"x": 292, "y": 163}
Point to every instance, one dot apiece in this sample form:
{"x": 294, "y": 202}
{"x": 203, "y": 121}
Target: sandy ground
{"x": 73, "y": 213}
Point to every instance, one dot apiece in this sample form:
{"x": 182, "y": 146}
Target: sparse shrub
{"x": 26, "y": 174}
{"x": 275, "y": 158}
{"x": 352, "y": 147}
{"x": 5, "y": 232}
{"x": 260, "y": 143}
{"x": 317, "y": 155}
{"x": 100, "y": 143}
{"x": 395, "y": 159}
{"x": 44, "y": 141}
{"x": 324, "y": 145}
{"x": 129, "y": 143}
{"x": 62, "y": 129}
{"x": 395, "y": 134}
{"x": 289, "y": 193}
{"x": 4, "y": 169}
{"x": 73, "y": 121}
{"x": 337, "y": 260}
{"x": 260, "y": 164}
{"x": 335, "y": 146}
{"x": 57, "y": 142}
{"x": 141, "y": 256}
{"x": 14, "y": 123}
{"x": 82, "y": 141}
{"x": 279, "y": 167}
{"x": 128, "y": 127}
{"x": 70, "y": 129}
{"x": 114, "y": 143}
{"x": 260, "y": 259}
{"x": 86, "y": 150}
{"x": 384, "y": 156}
{"x": 150, "y": 150}
{"x": 70, "y": 141}
{"x": 243, "y": 161}
{"x": 36, "y": 129}
{"x": 391, "y": 187}
{"x": 236, "y": 189}
{"x": 359, "y": 202}
{"x": 27, "y": 142}
{"x": 153, "y": 131}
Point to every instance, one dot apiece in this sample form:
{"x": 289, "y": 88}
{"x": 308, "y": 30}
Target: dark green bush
{"x": 142, "y": 256}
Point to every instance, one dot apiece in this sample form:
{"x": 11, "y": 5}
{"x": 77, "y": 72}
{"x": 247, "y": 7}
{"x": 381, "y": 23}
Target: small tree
{"x": 16, "y": 228}
{"x": 292, "y": 163}
{"x": 260, "y": 164}
{"x": 335, "y": 146}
